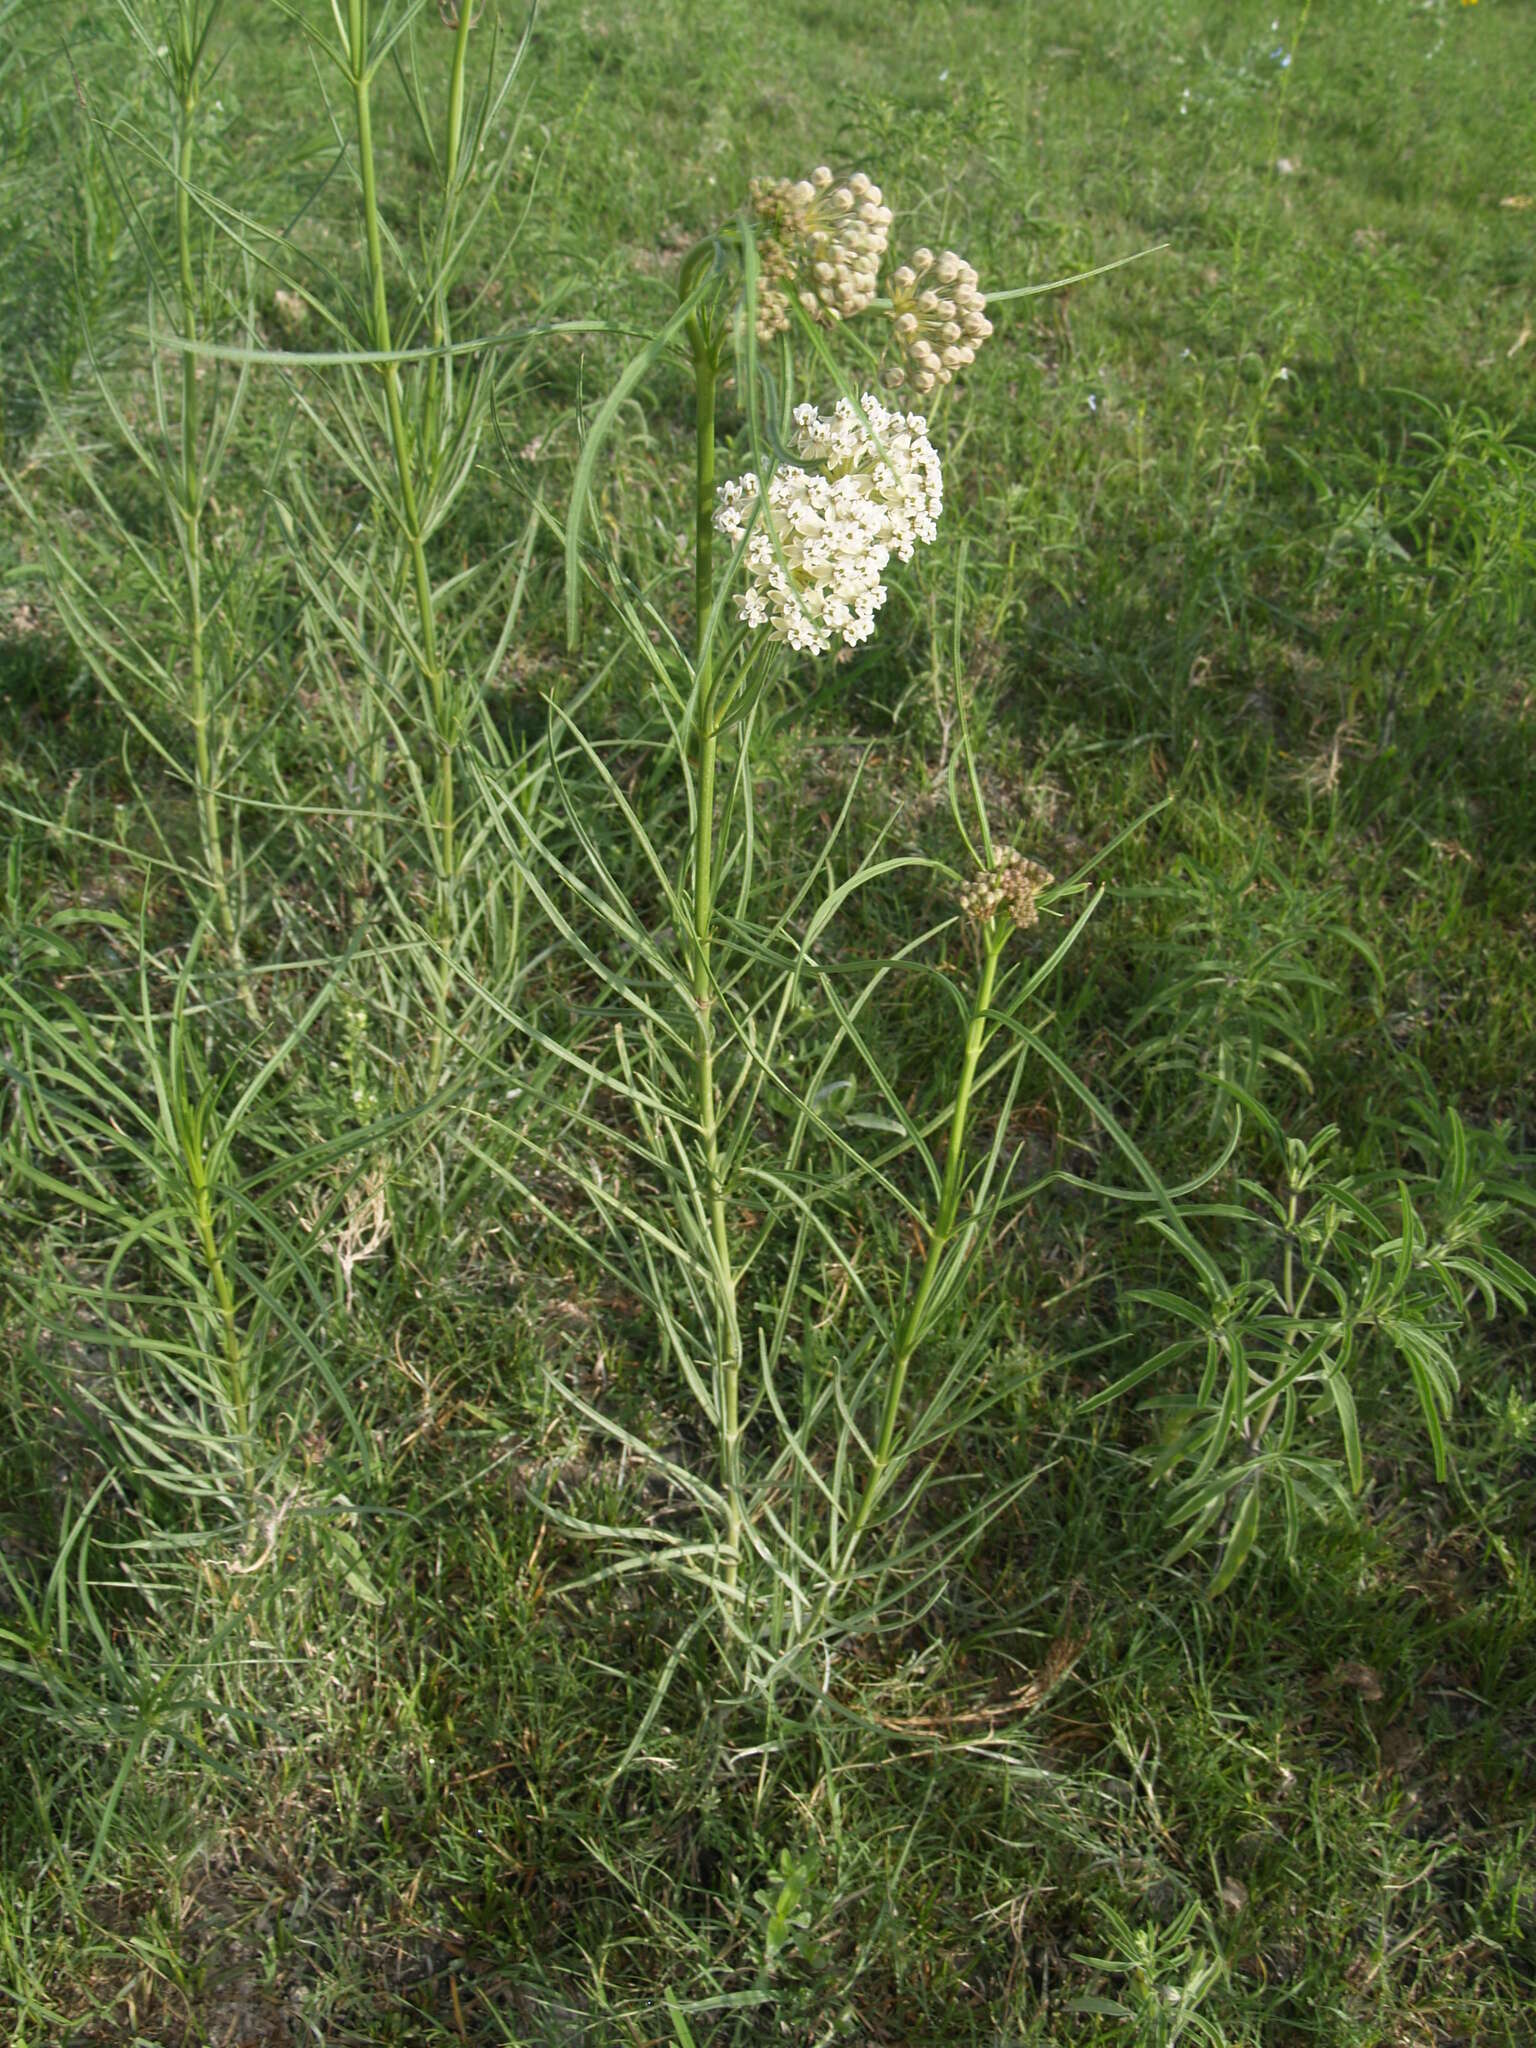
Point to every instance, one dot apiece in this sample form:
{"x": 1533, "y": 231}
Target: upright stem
{"x": 432, "y": 675}
{"x": 1294, "y": 1301}
{"x": 199, "y": 709}
{"x": 706, "y": 738}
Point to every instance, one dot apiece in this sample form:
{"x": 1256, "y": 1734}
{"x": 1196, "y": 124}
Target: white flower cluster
{"x": 939, "y": 316}
{"x": 821, "y": 243}
{"x": 821, "y": 542}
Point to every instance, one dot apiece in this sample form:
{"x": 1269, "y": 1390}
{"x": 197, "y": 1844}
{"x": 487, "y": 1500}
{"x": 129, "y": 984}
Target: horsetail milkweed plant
{"x": 802, "y": 1377}
{"x": 833, "y": 1359}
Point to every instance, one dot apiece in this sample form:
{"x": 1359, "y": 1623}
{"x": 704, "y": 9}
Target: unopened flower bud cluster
{"x": 819, "y": 242}
{"x": 1013, "y": 883}
{"x": 822, "y": 538}
{"x": 939, "y": 316}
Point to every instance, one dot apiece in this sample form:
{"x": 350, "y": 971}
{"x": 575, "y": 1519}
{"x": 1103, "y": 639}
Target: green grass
{"x": 314, "y": 1695}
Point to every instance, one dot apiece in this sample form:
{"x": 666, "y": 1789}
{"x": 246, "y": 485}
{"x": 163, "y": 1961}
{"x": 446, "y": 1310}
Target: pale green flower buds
{"x": 940, "y": 326}
{"x": 1013, "y": 883}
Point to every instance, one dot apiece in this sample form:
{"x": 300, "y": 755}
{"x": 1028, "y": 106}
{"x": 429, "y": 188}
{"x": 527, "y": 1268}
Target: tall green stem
{"x": 200, "y": 711}
{"x": 429, "y": 663}
{"x": 706, "y": 740}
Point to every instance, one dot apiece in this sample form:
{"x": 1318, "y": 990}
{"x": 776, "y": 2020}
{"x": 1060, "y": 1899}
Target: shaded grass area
{"x": 1248, "y": 526}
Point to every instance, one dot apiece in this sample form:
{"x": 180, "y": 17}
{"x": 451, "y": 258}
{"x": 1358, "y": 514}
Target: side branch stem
{"x": 913, "y": 1325}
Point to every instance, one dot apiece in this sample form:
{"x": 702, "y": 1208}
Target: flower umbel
{"x": 1013, "y": 882}
{"x": 820, "y": 243}
{"x": 823, "y": 537}
{"x": 939, "y": 316}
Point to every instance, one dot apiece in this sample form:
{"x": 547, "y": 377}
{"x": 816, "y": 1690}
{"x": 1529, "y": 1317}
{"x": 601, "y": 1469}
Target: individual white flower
{"x": 823, "y": 537}
{"x": 818, "y": 242}
{"x": 939, "y": 317}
